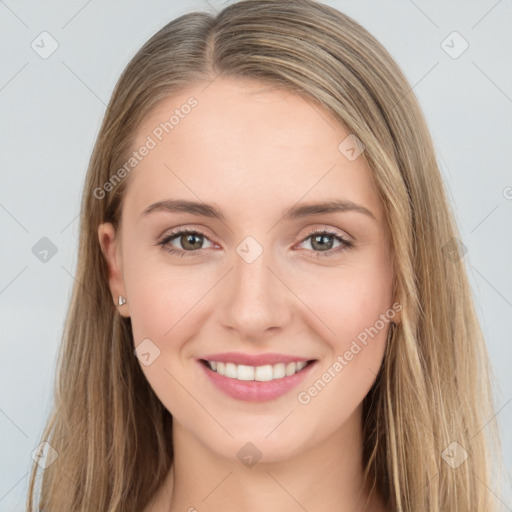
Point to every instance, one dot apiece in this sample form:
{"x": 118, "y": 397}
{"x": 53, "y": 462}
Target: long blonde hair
{"x": 110, "y": 431}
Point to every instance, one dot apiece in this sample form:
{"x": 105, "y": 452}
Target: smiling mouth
{"x": 263, "y": 373}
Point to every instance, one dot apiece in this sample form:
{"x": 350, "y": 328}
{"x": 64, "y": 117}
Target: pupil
{"x": 190, "y": 239}
{"x": 322, "y": 240}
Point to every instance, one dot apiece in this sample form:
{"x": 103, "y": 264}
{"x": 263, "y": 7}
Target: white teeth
{"x": 245, "y": 372}
{"x": 263, "y": 373}
{"x": 260, "y": 373}
{"x": 230, "y": 370}
{"x": 291, "y": 368}
{"x": 278, "y": 371}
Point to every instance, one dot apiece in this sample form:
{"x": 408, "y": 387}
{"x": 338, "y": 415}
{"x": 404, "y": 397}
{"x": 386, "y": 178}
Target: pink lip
{"x": 256, "y": 391}
{"x": 254, "y": 360}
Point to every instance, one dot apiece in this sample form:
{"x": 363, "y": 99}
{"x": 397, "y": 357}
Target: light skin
{"x": 254, "y": 153}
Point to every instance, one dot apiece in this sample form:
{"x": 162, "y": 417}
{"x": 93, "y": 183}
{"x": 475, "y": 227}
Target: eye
{"x": 320, "y": 240}
{"x": 190, "y": 240}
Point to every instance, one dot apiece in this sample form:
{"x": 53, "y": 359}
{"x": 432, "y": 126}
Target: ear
{"x": 111, "y": 250}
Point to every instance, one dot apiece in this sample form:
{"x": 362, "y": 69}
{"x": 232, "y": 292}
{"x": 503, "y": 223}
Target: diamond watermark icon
{"x": 147, "y": 352}
{"x": 249, "y": 455}
{"x": 351, "y": 147}
{"x": 249, "y": 249}
{"x": 44, "y": 45}
{"x": 454, "y": 45}
{"x": 44, "y": 250}
{"x": 454, "y": 455}
{"x": 454, "y": 250}
{"x": 45, "y": 455}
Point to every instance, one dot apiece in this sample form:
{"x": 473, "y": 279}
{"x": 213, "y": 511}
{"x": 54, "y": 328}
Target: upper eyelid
{"x": 180, "y": 231}
{"x": 330, "y": 231}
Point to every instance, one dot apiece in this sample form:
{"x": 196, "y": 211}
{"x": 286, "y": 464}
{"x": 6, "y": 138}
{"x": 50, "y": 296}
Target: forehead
{"x": 245, "y": 145}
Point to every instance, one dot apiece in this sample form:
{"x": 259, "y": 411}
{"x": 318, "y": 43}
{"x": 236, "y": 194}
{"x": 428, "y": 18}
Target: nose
{"x": 255, "y": 301}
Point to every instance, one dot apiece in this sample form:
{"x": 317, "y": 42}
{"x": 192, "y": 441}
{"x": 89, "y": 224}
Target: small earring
{"x": 121, "y": 300}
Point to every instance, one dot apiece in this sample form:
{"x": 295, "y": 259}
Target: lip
{"x": 256, "y": 391}
{"x": 254, "y": 360}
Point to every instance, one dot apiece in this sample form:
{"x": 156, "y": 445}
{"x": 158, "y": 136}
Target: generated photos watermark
{"x": 305, "y": 397}
{"x": 157, "y": 135}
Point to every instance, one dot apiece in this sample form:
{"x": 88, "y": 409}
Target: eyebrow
{"x": 295, "y": 212}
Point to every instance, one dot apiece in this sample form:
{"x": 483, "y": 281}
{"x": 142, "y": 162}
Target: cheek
{"x": 160, "y": 310}
{"x": 166, "y": 307}
{"x": 163, "y": 307}
{"x": 357, "y": 307}
{"x": 350, "y": 300}
{"x": 162, "y": 298}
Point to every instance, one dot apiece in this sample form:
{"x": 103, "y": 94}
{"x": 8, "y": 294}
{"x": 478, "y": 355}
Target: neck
{"x": 333, "y": 470}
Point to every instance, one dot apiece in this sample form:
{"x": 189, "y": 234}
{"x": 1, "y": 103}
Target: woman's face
{"x": 258, "y": 273}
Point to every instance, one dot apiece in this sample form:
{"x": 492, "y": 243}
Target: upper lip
{"x": 254, "y": 360}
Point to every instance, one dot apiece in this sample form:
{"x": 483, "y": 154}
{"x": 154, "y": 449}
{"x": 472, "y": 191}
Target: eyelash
{"x": 164, "y": 243}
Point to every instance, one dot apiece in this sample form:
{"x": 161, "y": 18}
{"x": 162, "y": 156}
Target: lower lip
{"x": 256, "y": 391}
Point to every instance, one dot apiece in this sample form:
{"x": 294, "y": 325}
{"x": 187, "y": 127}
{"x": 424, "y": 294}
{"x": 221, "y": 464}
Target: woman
{"x": 272, "y": 312}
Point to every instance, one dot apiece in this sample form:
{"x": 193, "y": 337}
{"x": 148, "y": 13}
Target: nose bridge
{"x": 255, "y": 301}
{"x": 253, "y": 278}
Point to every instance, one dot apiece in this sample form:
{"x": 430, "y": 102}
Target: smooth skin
{"x": 254, "y": 152}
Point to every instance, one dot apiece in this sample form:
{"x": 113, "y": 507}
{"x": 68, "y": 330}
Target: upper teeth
{"x": 260, "y": 373}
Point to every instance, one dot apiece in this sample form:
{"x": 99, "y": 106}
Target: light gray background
{"x": 51, "y": 110}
